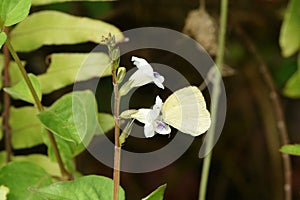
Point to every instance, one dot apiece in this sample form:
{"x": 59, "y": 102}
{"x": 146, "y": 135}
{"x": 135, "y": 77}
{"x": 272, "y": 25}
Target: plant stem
{"x": 214, "y": 100}
{"x": 6, "y": 100}
{"x": 40, "y": 108}
{"x": 117, "y": 152}
{"x": 281, "y": 125}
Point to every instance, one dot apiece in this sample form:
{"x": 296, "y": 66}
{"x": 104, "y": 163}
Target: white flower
{"x": 142, "y": 76}
{"x": 152, "y": 119}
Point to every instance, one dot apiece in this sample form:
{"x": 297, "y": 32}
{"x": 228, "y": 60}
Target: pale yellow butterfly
{"x": 186, "y": 111}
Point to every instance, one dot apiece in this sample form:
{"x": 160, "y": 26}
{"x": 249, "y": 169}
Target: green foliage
{"x": 74, "y": 121}
{"x": 15, "y": 75}
{"x": 13, "y": 11}
{"x": 43, "y": 161}
{"x": 44, "y": 2}
{"x": 293, "y": 149}
{"x": 157, "y": 194}
{"x": 68, "y": 150}
{"x": 3, "y": 38}
{"x": 290, "y": 43}
{"x": 26, "y": 128}
{"x": 19, "y": 176}
{"x": 83, "y": 188}
{"x": 292, "y": 87}
{"x": 21, "y": 90}
{"x": 73, "y": 117}
{"x": 56, "y": 28}
{"x": 64, "y": 68}
{"x": 289, "y": 37}
{"x": 106, "y": 122}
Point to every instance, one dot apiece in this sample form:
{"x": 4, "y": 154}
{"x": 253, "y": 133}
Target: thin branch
{"x": 214, "y": 99}
{"x": 117, "y": 152}
{"x": 40, "y": 108}
{"x": 281, "y": 125}
{"x": 7, "y": 131}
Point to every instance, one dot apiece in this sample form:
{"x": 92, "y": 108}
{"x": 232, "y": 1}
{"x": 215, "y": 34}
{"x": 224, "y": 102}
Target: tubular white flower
{"x": 152, "y": 119}
{"x": 142, "y": 76}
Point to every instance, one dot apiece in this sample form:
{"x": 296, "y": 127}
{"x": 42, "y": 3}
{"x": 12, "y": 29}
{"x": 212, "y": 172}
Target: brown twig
{"x": 117, "y": 152}
{"x": 7, "y": 131}
{"x": 281, "y": 125}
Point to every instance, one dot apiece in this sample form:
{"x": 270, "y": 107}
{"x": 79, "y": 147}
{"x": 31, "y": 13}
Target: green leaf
{"x": 21, "y": 90}
{"x": 292, "y": 87}
{"x": 293, "y": 149}
{"x": 66, "y": 150}
{"x": 84, "y": 188}
{"x": 43, "y": 161}
{"x": 2, "y": 158}
{"x": 20, "y": 176}
{"x": 298, "y": 60}
{"x": 44, "y": 2}
{"x": 67, "y": 68}
{"x": 157, "y": 194}
{"x": 3, "y": 38}
{"x": 14, "y": 11}
{"x": 73, "y": 117}
{"x": 106, "y": 122}
{"x": 57, "y": 28}
{"x": 14, "y": 72}
{"x": 26, "y": 129}
{"x": 69, "y": 150}
{"x": 3, "y": 192}
{"x": 289, "y": 35}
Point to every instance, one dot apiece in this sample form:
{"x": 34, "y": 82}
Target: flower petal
{"x": 162, "y": 128}
{"x": 142, "y": 65}
{"x": 158, "y": 81}
{"x": 142, "y": 115}
{"x": 149, "y": 130}
{"x": 140, "y": 78}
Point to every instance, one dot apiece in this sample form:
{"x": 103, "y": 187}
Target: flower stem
{"x": 117, "y": 152}
{"x": 214, "y": 100}
{"x": 40, "y": 108}
{"x": 6, "y": 99}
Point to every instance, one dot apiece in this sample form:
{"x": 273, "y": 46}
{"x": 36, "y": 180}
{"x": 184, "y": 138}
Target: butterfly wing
{"x": 186, "y": 111}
